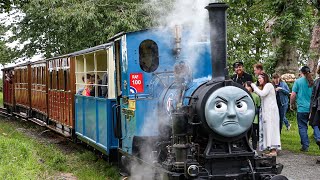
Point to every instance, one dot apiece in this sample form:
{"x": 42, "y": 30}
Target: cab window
{"x": 148, "y": 56}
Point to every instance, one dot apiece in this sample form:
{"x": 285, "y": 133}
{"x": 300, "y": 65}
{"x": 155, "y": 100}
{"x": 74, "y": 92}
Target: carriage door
{"x": 117, "y": 50}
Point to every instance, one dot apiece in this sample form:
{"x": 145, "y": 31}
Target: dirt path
{"x": 299, "y": 166}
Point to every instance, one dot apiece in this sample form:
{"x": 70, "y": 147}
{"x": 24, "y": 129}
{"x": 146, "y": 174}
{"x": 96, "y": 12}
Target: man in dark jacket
{"x": 240, "y": 76}
{"x": 314, "y": 116}
{"x": 104, "y": 87}
{"x": 257, "y": 70}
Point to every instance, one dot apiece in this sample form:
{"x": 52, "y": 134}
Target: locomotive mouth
{"x": 230, "y": 122}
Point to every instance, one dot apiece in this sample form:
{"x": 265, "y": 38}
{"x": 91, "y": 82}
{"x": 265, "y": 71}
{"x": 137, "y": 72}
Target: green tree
{"x": 7, "y": 5}
{"x": 58, "y": 27}
{"x": 315, "y": 38}
{"x": 247, "y": 39}
{"x": 273, "y": 32}
{"x": 5, "y": 52}
{"x": 290, "y": 33}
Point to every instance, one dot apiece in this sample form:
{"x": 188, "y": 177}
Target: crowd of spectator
{"x": 89, "y": 89}
{"x": 272, "y": 98}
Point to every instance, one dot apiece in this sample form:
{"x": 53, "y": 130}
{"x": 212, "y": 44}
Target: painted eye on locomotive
{"x": 229, "y": 111}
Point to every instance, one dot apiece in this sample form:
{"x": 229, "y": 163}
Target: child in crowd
{"x": 255, "y": 125}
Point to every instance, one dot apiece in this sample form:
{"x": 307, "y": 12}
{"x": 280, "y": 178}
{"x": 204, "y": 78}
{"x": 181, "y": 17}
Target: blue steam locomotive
{"x": 189, "y": 123}
{"x": 169, "y": 111}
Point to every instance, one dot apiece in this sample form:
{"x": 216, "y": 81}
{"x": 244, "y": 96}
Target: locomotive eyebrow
{"x": 242, "y": 97}
{"x": 223, "y": 99}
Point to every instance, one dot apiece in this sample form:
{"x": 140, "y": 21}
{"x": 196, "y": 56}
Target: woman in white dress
{"x": 270, "y": 115}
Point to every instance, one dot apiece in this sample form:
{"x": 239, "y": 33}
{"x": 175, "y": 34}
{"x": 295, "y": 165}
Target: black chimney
{"x": 218, "y": 39}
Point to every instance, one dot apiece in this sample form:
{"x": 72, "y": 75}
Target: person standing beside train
{"x": 240, "y": 75}
{"x": 257, "y": 70}
{"x": 314, "y": 116}
{"x": 282, "y": 92}
{"x": 301, "y": 94}
{"x": 270, "y": 133}
{"x": 255, "y": 124}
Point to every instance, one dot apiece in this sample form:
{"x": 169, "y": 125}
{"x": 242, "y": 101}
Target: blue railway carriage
{"x": 95, "y": 97}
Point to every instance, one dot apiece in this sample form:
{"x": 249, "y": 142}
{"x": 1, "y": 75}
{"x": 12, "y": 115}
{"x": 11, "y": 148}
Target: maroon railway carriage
{"x": 61, "y": 90}
{"x": 8, "y": 89}
{"x": 22, "y": 90}
{"x": 39, "y": 104}
{"x": 43, "y": 92}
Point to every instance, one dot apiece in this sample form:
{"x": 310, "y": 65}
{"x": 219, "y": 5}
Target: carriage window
{"x": 42, "y": 76}
{"x": 68, "y": 82}
{"x": 18, "y": 76}
{"x": 92, "y": 73}
{"x": 57, "y": 80}
{"x": 50, "y": 80}
{"x": 54, "y": 79}
{"x": 65, "y": 80}
{"x": 148, "y": 56}
{"x": 34, "y": 79}
{"x": 61, "y": 79}
{"x": 38, "y": 75}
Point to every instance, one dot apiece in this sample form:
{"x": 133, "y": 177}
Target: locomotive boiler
{"x": 205, "y": 124}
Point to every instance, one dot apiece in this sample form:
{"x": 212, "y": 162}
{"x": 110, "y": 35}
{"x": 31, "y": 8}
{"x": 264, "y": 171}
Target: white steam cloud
{"x": 189, "y": 14}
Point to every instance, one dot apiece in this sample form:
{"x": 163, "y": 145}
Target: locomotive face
{"x": 229, "y": 111}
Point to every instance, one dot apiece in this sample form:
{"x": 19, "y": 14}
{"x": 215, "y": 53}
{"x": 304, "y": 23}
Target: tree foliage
{"x": 247, "y": 39}
{"x": 5, "y": 52}
{"x": 7, "y": 5}
{"x": 293, "y": 23}
{"x": 252, "y": 38}
{"x": 55, "y": 27}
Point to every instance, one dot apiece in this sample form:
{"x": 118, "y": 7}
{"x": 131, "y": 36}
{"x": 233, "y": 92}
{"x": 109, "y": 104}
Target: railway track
{"x": 71, "y": 139}
{"x": 4, "y": 113}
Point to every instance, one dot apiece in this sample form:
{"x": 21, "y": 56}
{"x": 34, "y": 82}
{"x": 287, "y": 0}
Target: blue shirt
{"x": 282, "y": 94}
{"x": 303, "y": 91}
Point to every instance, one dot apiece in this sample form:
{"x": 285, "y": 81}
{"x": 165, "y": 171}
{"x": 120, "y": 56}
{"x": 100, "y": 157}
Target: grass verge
{"x": 22, "y": 157}
{"x": 290, "y": 140}
{"x": 1, "y": 99}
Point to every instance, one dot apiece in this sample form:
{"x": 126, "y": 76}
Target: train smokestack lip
{"x": 218, "y": 39}
{"x": 217, "y": 5}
